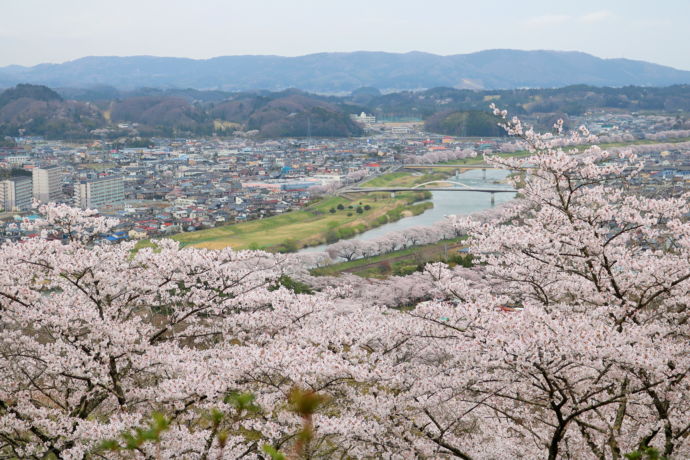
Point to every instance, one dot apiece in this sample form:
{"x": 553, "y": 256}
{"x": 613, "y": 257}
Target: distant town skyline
{"x": 43, "y": 31}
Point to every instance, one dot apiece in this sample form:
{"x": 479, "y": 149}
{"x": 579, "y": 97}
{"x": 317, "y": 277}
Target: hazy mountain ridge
{"x": 39, "y": 110}
{"x": 344, "y": 72}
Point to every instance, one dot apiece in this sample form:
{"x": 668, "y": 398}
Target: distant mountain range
{"x": 38, "y": 110}
{"x": 344, "y": 72}
{"x": 106, "y": 112}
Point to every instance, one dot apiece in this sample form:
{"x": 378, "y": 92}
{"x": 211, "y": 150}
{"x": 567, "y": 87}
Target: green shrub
{"x": 292, "y": 284}
{"x": 345, "y": 232}
{"x": 287, "y": 246}
{"x": 332, "y": 236}
{"x": 385, "y": 268}
{"x": 404, "y": 269}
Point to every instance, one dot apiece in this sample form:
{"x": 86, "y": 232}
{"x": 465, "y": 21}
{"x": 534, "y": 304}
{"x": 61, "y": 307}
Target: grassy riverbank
{"x": 327, "y": 220}
{"x": 407, "y": 179}
{"x": 400, "y": 262}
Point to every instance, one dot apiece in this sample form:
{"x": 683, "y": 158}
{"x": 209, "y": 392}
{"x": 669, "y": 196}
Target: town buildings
{"x": 47, "y": 184}
{"x": 102, "y": 194}
{"x": 189, "y": 184}
{"x": 15, "y": 194}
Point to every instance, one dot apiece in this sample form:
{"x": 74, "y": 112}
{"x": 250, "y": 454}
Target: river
{"x": 447, "y": 203}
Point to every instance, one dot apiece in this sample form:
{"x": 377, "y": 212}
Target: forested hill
{"x": 98, "y": 111}
{"x": 344, "y": 72}
{"x": 570, "y": 100}
{"x": 103, "y": 111}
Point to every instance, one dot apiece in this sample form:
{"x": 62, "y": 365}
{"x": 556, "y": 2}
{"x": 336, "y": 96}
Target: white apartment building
{"x": 47, "y": 183}
{"x": 15, "y": 194}
{"x": 103, "y": 193}
{"x": 18, "y": 160}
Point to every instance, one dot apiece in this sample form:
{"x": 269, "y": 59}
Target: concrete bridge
{"x": 437, "y": 166}
{"x": 447, "y": 181}
{"x": 429, "y": 189}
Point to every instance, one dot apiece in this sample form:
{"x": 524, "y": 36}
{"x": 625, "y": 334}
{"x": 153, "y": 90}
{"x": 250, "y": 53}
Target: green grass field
{"x": 406, "y": 179}
{"x": 396, "y": 262}
{"x": 98, "y": 166}
{"x": 309, "y": 226}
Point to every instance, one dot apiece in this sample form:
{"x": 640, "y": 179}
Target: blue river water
{"x": 447, "y": 203}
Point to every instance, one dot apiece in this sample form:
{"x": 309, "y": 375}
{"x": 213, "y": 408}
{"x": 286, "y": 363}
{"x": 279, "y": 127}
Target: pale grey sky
{"x": 37, "y": 31}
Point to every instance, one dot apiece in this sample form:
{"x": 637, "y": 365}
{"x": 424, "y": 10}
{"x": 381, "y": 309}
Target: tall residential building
{"x": 48, "y": 184}
{"x": 106, "y": 192}
{"x": 15, "y": 194}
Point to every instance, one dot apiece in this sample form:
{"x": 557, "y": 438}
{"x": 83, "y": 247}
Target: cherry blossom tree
{"x": 567, "y": 340}
{"x": 670, "y": 134}
{"x": 440, "y": 156}
{"x": 96, "y": 338}
{"x": 576, "y": 347}
{"x": 344, "y": 249}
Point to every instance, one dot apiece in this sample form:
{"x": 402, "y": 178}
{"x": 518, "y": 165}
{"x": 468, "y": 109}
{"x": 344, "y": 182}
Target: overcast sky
{"x": 36, "y": 31}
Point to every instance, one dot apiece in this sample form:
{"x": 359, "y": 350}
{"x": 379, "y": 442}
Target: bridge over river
{"x": 455, "y": 186}
{"x": 442, "y": 165}
{"x": 429, "y": 189}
